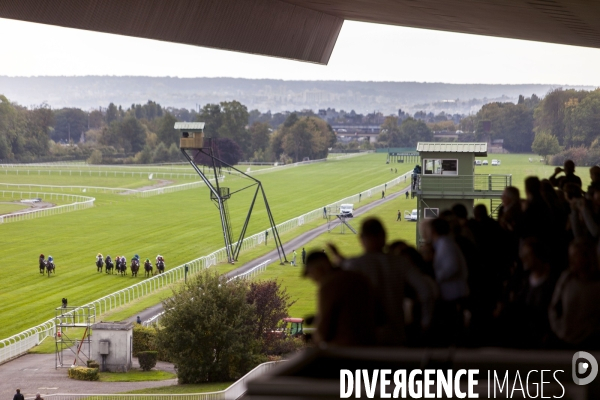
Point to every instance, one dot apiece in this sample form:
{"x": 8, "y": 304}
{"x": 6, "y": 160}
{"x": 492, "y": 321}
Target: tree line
{"x": 144, "y": 133}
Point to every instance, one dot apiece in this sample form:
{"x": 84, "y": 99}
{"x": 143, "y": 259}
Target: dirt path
{"x": 30, "y": 206}
{"x": 159, "y": 183}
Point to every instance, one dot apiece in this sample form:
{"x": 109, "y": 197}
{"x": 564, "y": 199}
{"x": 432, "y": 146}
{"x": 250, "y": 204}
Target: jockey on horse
{"x": 148, "y": 267}
{"x": 50, "y": 267}
{"x": 160, "y": 263}
{"x": 99, "y": 262}
{"x": 135, "y": 265}
{"x": 122, "y": 265}
{"x": 109, "y": 264}
{"x": 42, "y": 262}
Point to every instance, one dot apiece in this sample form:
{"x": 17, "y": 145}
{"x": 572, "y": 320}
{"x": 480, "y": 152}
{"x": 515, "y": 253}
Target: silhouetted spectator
{"x": 345, "y": 302}
{"x": 451, "y": 274}
{"x": 510, "y": 215}
{"x": 537, "y": 219}
{"x": 568, "y": 177}
{"x": 389, "y": 274}
{"x": 575, "y": 307}
{"x": 525, "y": 319}
{"x": 18, "y": 395}
{"x": 595, "y": 177}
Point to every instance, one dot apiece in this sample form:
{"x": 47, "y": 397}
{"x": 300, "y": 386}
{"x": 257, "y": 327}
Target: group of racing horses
{"x": 47, "y": 265}
{"x": 120, "y": 265}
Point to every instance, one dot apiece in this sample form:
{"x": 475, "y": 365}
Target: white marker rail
{"x": 79, "y": 203}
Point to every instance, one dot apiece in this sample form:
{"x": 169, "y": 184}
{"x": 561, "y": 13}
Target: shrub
{"x": 93, "y": 364}
{"x": 84, "y": 374}
{"x": 95, "y": 158}
{"x": 147, "y": 359}
{"x": 144, "y": 339}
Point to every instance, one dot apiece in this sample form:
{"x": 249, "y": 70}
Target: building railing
{"x": 462, "y": 183}
{"x": 20, "y": 343}
{"x": 233, "y": 392}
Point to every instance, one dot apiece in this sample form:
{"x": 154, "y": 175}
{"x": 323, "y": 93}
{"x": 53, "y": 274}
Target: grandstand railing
{"x": 79, "y": 203}
{"x": 20, "y": 343}
{"x": 235, "y": 391}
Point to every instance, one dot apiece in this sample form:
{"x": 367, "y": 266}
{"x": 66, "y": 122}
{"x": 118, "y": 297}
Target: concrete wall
{"x": 120, "y": 337}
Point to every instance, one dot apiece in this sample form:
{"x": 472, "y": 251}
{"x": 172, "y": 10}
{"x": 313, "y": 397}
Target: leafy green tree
{"x": 207, "y": 330}
{"x": 70, "y": 124}
{"x": 303, "y": 137}
{"x": 545, "y": 144}
{"x": 582, "y": 120}
{"x": 413, "y": 131}
{"x": 549, "y": 116}
{"x": 95, "y": 157}
{"x": 233, "y": 124}
{"x": 128, "y": 134}
{"x": 112, "y": 113}
{"x": 166, "y": 130}
{"x": 212, "y": 118}
{"x": 260, "y": 135}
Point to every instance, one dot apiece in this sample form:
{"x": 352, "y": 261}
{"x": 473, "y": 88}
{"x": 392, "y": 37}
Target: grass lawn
{"x": 7, "y": 207}
{"x": 519, "y": 166}
{"x": 181, "y": 226}
{"x": 136, "y": 375}
{"x": 184, "y": 389}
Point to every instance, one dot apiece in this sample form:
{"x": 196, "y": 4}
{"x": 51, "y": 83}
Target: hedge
{"x": 144, "y": 339}
{"x": 93, "y": 364}
{"x": 84, "y": 374}
{"x": 147, "y": 359}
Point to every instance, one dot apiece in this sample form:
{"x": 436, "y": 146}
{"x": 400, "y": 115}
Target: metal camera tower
{"x": 72, "y": 317}
{"x": 193, "y": 144}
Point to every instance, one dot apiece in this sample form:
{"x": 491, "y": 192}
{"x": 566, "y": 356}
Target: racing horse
{"x": 135, "y": 266}
{"x": 99, "y": 263}
{"x": 122, "y": 266}
{"x": 148, "y": 268}
{"x": 160, "y": 266}
{"x": 109, "y": 265}
{"x": 42, "y": 265}
{"x": 50, "y": 268}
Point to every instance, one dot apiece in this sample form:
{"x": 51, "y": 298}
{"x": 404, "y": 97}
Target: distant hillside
{"x": 263, "y": 94}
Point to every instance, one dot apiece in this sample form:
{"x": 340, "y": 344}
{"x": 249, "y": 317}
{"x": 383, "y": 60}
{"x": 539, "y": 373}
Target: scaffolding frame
{"x": 73, "y": 317}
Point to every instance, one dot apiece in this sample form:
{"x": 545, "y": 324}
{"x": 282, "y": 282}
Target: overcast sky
{"x": 366, "y": 52}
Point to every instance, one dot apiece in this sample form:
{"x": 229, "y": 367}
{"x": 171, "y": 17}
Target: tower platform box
{"x": 192, "y": 134}
{"x": 194, "y": 141}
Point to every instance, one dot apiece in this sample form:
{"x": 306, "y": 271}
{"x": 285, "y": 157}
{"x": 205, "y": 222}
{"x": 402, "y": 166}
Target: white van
{"x": 414, "y": 215}
{"x": 495, "y": 162}
{"x": 347, "y": 210}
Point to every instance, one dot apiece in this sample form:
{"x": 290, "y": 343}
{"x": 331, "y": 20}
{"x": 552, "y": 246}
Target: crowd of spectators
{"x": 530, "y": 279}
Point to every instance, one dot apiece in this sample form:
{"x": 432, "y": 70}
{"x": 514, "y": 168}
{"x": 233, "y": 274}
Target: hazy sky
{"x": 366, "y": 52}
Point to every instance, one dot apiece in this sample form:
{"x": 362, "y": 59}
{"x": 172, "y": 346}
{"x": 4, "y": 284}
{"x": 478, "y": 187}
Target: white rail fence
{"x": 79, "y": 203}
{"x": 100, "y": 173}
{"x": 235, "y": 391}
{"x": 20, "y": 343}
{"x": 252, "y": 272}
